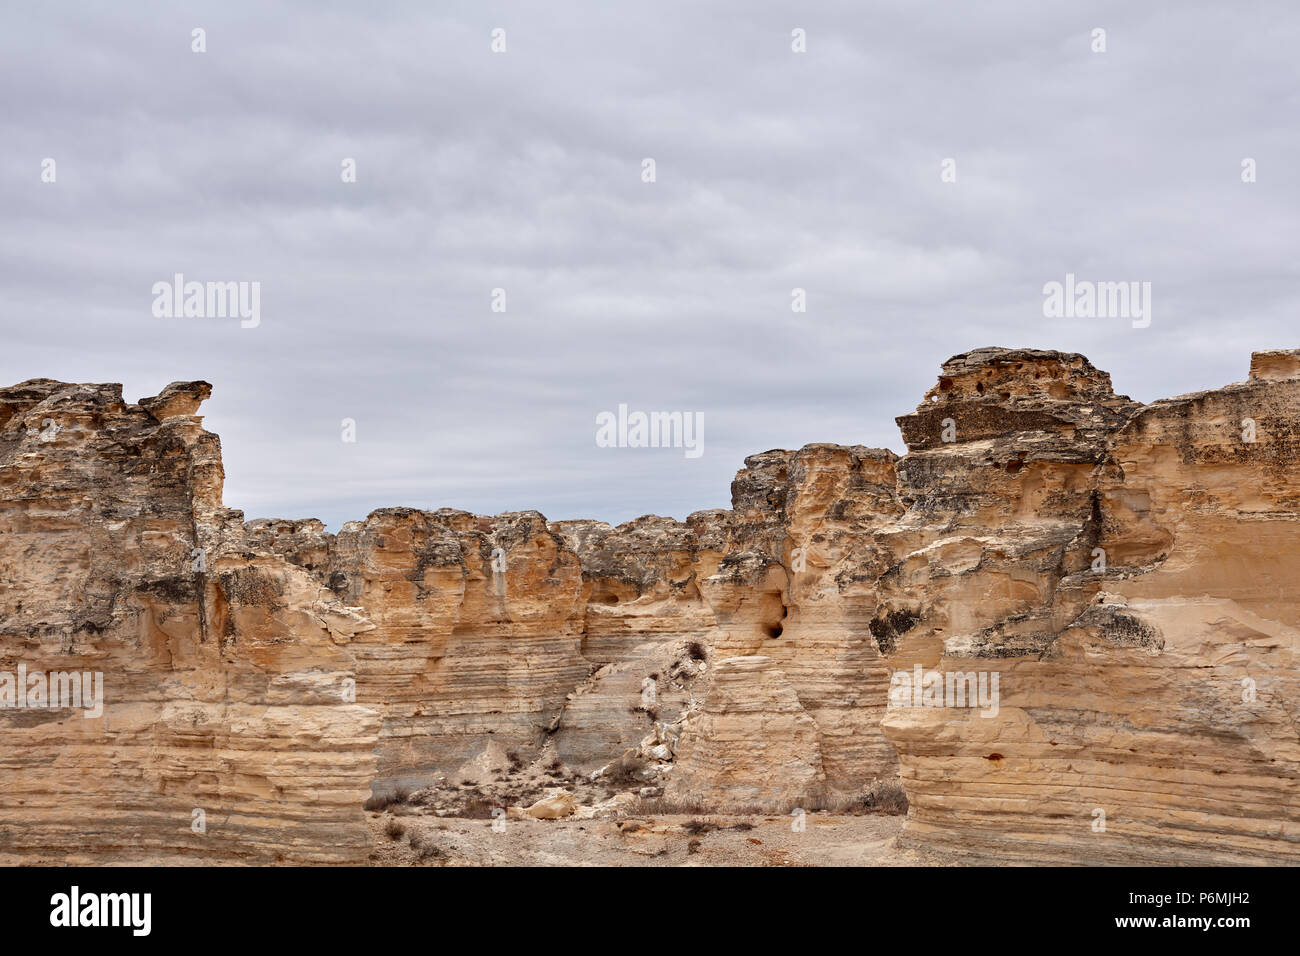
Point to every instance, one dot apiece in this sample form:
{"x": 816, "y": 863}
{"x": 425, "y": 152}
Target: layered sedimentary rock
{"x": 822, "y": 507}
{"x": 1124, "y": 570}
{"x": 1104, "y": 586}
{"x": 753, "y": 744}
{"x": 645, "y": 632}
{"x": 478, "y": 631}
{"x": 223, "y": 732}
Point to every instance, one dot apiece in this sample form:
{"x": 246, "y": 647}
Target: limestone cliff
{"x": 1132, "y": 589}
{"x": 1116, "y": 574}
{"x": 226, "y": 731}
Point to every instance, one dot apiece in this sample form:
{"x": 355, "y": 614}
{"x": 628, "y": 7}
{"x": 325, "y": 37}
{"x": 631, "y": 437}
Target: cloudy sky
{"x": 522, "y": 171}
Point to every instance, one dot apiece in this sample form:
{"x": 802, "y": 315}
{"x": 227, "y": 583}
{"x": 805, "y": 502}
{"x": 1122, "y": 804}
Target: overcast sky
{"x": 522, "y": 170}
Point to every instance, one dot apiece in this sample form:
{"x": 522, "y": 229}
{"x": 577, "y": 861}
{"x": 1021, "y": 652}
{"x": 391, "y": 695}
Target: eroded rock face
{"x": 1114, "y": 580}
{"x": 1138, "y": 614}
{"x": 478, "y": 631}
{"x": 753, "y": 744}
{"x": 223, "y": 732}
{"x": 646, "y": 634}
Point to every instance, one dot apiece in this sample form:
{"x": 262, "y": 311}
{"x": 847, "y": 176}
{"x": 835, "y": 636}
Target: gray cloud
{"x": 522, "y": 171}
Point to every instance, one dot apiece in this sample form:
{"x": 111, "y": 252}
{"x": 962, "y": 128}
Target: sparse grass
{"x": 660, "y": 805}
{"x": 394, "y": 830}
{"x": 693, "y": 847}
{"x": 424, "y": 847}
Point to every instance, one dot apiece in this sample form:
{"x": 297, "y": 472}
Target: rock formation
{"x": 226, "y": 731}
{"x": 1063, "y": 618}
{"x": 1147, "y": 657}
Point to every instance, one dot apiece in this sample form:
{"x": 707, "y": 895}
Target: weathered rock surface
{"x": 225, "y": 734}
{"x": 646, "y": 628}
{"x": 1123, "y": 571}
{"x": 752, "y": 745}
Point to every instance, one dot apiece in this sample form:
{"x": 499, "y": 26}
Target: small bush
{"x": 624, "y": 771}
{"x": 885, "y": 796}
{"x": 394, "y": 830}
{"x": 696, "y": 651}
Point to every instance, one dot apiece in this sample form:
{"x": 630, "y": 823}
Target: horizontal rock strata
{"x": 1124, "y": 570}
{"x": 225, "y": 731}
{"x": 1109, "y": 581}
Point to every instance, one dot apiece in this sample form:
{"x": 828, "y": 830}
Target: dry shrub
{"x": 885, "y": 796}
{"x": 664, "y": 807}
{"x": 625, "y": 771}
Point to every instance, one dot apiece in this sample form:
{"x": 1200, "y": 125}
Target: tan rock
{"x": 557, "y": 804}
{"x": 1124, "y": 571}
{"x": 617, "y": 805}
{"x": 752, "y": 744}
{"x": 1146, "y": 710}
{"x": 228, "y": 732}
